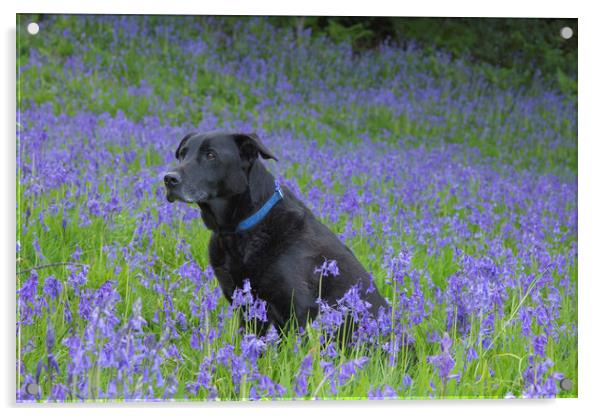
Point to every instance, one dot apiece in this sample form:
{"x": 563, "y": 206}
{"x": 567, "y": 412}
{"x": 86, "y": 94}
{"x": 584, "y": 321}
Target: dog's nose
{"x": 172, "y": 179}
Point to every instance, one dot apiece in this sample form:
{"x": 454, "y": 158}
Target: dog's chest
{"x": 240, "y": 258}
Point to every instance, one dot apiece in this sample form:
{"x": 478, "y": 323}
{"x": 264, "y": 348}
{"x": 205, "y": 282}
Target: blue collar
{"x": 263, "y": 211}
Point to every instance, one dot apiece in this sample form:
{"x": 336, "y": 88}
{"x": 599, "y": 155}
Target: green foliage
{"x": 529, "y": 48}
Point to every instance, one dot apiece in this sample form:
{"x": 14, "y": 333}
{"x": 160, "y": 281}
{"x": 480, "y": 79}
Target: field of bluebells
{"x": 458, "y": 196}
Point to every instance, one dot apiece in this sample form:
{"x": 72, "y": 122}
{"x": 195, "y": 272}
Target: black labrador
{"x": 262, "y": 232}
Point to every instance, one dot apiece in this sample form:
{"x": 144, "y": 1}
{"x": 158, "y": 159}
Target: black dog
{"x": 262, "y": 232}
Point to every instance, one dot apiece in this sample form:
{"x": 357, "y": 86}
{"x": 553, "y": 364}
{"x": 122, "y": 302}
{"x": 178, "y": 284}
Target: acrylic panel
{"x": 442, "y": 152}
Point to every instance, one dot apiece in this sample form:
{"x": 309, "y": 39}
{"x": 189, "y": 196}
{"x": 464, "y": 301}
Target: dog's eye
{"x": 210, "y": 155}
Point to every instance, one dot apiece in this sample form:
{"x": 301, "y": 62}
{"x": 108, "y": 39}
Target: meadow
{"x": 458, "y": 195}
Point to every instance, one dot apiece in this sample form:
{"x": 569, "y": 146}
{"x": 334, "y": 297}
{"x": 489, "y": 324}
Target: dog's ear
{"x": 250, "y": 147}
{"x": 182, "y": 143}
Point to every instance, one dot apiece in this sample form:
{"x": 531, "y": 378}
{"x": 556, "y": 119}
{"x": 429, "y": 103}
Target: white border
{"x": 589, "y": 194}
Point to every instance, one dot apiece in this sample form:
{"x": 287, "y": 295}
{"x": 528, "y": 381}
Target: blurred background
{"x": 531, "y": 47}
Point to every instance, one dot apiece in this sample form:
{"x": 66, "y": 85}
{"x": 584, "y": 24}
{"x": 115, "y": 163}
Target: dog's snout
{"x": 172, "y": 179}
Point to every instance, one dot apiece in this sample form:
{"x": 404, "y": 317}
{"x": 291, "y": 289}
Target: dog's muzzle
{"x": 172, "y": 180}
{"x": 177, "y": 191}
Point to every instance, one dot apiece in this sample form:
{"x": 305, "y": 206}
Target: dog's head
{"x": 213, "y": 165}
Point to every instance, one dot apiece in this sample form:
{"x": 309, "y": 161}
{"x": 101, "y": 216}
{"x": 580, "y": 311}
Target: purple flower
{"x": 28, "y": 290}
{"x": 252, "y": 346}
{"x": 59, "y": 393}
{"x": 471, "y": 354}
{"x": 328, "y": 268}
{"x": 353, "y": 304}
{"x": 38, "y": 249}
{"x": 190, "y": 270}
{"x": 329, "y": 319}
{"x": 28, "y": 303}
{"x": 443, "y": 362}
{"x": 300, "y": 384}
{"x": 539, "y": 344}
{"x": 225, "y": 354}
{"x": 76, "y": 256}
{"x": 272, "y": 336}
{"x": 52, "y": 287}
{"x": 203, "y": 379}
{"x": 49, "y": 364}
{"x": 538, "y": 380}
{"x": 339, "y": 376}
{"x": 67, "y": 314}
{"x": 350, "y": 368}
{"x": 380, "y": 393}
{"x": 265, "y": 387}
{"x": 253, "y": 308}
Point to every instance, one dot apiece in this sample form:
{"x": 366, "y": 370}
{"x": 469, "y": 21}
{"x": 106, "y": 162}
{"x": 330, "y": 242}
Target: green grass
{"x": 507, "y": 359}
